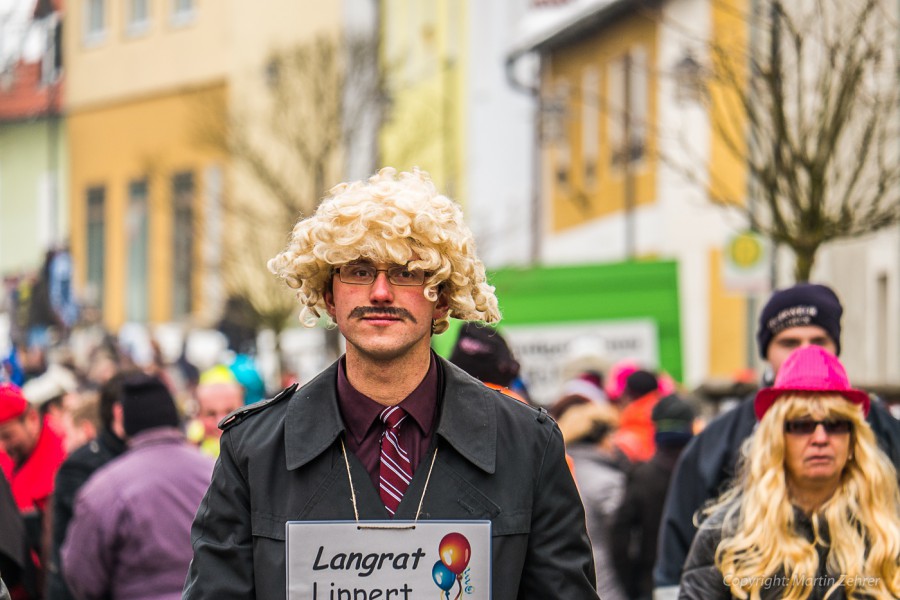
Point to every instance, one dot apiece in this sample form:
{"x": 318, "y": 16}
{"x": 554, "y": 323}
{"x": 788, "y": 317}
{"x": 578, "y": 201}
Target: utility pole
{"x": 630, "y": 235}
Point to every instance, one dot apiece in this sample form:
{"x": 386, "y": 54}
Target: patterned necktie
{"x": 395, "y": 471}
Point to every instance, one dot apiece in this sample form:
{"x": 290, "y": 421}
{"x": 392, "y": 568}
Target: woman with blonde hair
{"x": 815, "y": 509}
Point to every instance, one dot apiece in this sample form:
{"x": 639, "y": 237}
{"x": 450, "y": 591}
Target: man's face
{"x": 18, "y": 437}
{"x": 382, "y": 321}
{"x": 216, "y": 402}
{"x": 792, "y": 338}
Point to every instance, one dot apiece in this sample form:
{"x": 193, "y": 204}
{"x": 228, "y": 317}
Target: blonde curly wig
{"x": 862, "y": 517}
{"x": 394, "y": 218}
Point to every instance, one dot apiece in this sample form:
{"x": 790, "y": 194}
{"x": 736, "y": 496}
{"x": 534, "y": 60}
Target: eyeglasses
{"x": 808, "y": 426}
{"x": 364, "y": 274}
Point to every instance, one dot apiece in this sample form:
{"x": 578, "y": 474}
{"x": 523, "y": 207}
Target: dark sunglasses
{"x": 808, "y": 426}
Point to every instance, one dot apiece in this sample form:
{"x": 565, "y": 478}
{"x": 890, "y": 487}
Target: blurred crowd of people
{"x": 104, "y": 460}
{"x": 624, "y": 427}
{"x": 651, "y": 473}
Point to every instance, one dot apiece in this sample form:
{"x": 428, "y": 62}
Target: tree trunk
{"x": 805, "y": 259}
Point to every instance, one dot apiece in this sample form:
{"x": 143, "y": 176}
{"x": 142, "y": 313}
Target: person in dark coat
{"x": 483, "y": 353}
{"x": 635, "y": 527}
{"x": 390, "y": 260}
{"x": 77, "y": 469}
{"x": 802, "y": 315}
{"x": 13, "y": 543}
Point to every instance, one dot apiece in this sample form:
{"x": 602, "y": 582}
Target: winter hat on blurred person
{"x": 147, "y": 404}
{"x": 588, "y": 422}
{"x": 801, "y": 305}
{"x": 811, "y": 369}
{"x": 674, "y": 421}
{"x": 615, "y": 379}
{"x": 618, "y": 377}
{"x": 587, "y": 385}
{"x": 640, "y": 383}
{"x": 482, "y": 352}
{"x": 584, "y": 389}
{"x": 55, "y": 382}
{"x": 12, "y": 402}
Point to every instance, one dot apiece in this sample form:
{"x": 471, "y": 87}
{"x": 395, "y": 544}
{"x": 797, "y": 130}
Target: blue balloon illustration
{"x": 443, "y": 577}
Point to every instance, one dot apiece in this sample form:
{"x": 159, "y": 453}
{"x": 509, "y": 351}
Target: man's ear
{"x": 442, "y": 306}
{"x": 328, "y": 297}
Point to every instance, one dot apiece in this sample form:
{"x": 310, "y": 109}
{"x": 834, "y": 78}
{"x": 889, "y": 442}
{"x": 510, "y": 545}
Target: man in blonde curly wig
{"x": 390, "y": 430}
{"x": 391, "y": 218}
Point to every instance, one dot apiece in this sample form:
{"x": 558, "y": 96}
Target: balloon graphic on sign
{"x": 442, "y": 576}
{"x": 455, "y": 552}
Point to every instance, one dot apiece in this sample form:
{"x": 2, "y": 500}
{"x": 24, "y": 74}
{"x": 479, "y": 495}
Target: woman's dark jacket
{"x": 702, "y": 580}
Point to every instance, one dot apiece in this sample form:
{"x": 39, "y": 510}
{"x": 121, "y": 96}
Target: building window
{"x": 557, "y": 133}
{"x": 51, "y": 59}
{"x": 183, "y": 243}
{"x": 628, "y": 106}
{"x": 183, "y": 12}
{"x": 137, "y": 228}
{"x": 96, "y": 244}
{"x": 590, "y": 126}
{"x": 138, "y": 17}
{"x": 94, "y": 22}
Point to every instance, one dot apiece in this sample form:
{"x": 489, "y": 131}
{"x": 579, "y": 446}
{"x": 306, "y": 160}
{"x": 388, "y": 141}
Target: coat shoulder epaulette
{"x": 236, "y": 416}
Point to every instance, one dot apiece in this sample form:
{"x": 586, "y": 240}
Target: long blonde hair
{"x": 396, "y": 218}
{"x": 862, "y": 516}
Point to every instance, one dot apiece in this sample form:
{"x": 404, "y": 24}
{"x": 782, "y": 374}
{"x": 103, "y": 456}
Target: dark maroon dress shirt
{"x": 360, "y": 415}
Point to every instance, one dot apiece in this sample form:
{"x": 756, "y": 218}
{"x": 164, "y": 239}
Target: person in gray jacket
{"x": 389, "y": 260}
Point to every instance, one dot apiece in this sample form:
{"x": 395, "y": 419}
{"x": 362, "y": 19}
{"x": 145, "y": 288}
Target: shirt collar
{"x": 360, "y": 412}
{"x": 468, "y": 420}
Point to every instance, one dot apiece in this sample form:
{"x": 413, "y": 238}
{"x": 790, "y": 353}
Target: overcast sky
{"x": 14, "y": 17}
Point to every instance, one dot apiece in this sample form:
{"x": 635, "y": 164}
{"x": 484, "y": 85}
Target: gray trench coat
{"x": 497, "y": 460}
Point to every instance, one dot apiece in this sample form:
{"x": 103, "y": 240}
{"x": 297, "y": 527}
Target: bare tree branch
{"x": 812, "y": 111}
{"x": 284, "y": 160}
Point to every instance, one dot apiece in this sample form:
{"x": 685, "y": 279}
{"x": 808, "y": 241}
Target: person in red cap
{"x": 36, "y": 452}
{"x": 815, "y": 509}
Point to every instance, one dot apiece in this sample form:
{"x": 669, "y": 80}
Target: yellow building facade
{"x": 600, "y": 95}
{"x": 147, "y": 194}
{"x": 424, "y": 57}
{"x": 139, "y": 185}
{"x": 731, "y": 332}
{"x": 601, "y": 87}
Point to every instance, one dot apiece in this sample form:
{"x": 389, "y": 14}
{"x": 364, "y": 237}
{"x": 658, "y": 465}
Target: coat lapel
{"x": 313, "y": 420}
{"x": 469, "y": 418}
{"x": 468, "y": 423}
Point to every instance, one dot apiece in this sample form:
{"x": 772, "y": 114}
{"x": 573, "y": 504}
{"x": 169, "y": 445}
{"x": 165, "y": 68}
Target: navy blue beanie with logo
{"x": 798, "y": 306}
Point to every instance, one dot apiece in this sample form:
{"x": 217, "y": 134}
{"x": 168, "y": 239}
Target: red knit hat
{"x": 810, "y": 369}
{"x": 12, "y": 402}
